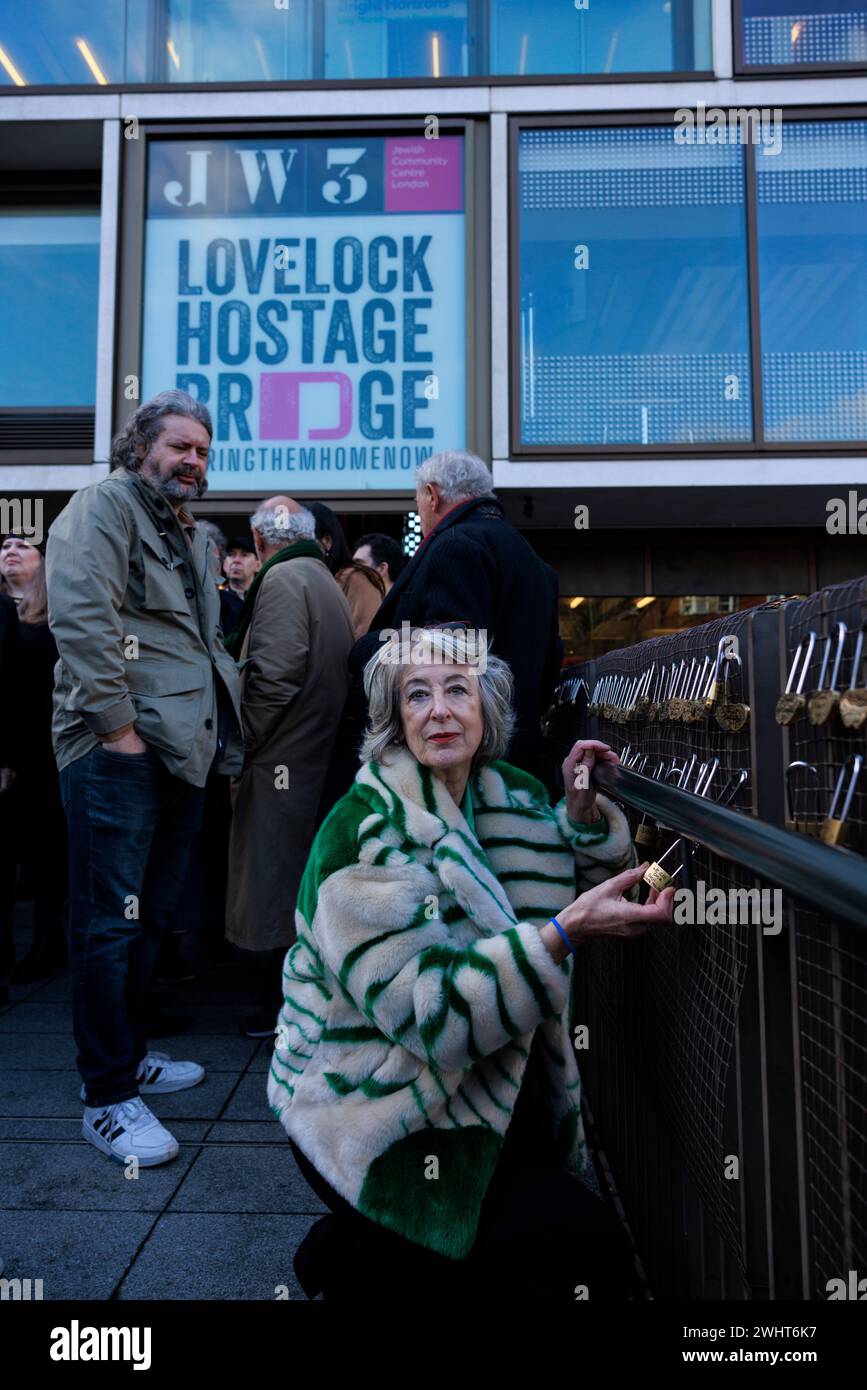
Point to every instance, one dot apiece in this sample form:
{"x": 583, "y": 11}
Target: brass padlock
{"x": 695, "y": 708}
{"x": 799, "y": 826}
{"x": 731, "y": 715}
{"x": 823, "y": 701}
{"x": 677, "y": 705}
{"x": 711, "y": 691}
{"x": 648, "y": 833}
{"x": 853, "y": 702}
{"x": 642, "y": 700}
{"x": 834, "y": 829}
{"x": 791, "y": 703}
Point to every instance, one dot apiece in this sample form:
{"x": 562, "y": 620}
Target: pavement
{"x": 221, "y": 1221}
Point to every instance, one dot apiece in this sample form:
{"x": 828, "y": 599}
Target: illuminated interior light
{"x": 84, "y": 49}
{"x": 576, "y": 602}
{"x": 643, "y": 602}
{"x": 260, "y": 53}
{"x": 797, "y": 30}
{"x": 11, "y": 69}
{"x": 173, "y": 53}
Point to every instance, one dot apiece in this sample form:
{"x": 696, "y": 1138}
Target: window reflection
{"x": 633, "y": 323}
{"x": 396, "y": 38}
{"x": 821, "y": 31}
{"x": 812, "y": 217}
{"x": 50, "y": 42}
{"x": 630, "y": 36}
{"x": 593, "y": 626}
{"x": 100, "y": 42}
{"x": 49, "y": 275}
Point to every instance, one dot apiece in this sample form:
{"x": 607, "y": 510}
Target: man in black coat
{"x": 473, "y": 566}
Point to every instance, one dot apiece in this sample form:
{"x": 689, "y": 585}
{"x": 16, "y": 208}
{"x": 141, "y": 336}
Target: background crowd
{"x": 301, "y": 640}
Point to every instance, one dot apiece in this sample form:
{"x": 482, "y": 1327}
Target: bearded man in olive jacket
{"x": 146, "y": 701}
{"x": 293, "y": 643}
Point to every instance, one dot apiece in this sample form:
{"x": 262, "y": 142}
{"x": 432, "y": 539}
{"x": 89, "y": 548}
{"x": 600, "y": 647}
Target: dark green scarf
{"x": 234, "y": 640}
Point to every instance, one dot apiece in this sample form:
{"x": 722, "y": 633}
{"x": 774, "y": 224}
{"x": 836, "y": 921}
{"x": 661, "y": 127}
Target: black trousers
{"x": 542, "y": 1235}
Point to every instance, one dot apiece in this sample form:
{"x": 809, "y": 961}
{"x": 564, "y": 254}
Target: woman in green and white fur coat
{"x": 426, "y": 1013}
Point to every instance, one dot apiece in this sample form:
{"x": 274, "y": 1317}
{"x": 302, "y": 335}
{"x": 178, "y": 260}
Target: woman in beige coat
{"x": 296, "y": 634}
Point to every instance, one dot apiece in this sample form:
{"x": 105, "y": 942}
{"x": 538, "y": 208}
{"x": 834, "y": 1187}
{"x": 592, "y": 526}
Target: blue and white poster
{"x": 311, "y": 292}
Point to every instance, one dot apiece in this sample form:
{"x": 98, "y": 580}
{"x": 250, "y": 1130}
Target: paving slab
{"x": 196, "y": 1255}
{"x": 57, "y": 1093}
{"x": 48, "y": 1018}
{"x": 76, "y": 1177}
{"x": 250, "y": 1100}
{"x": 251, "y": 1177}
{"x": 77, "y": 1255}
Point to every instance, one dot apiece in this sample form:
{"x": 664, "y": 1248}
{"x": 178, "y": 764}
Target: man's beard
{"x": 174, "y": 490}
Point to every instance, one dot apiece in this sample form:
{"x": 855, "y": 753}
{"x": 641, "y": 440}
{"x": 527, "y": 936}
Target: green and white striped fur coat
{"x": 416, "y": 984}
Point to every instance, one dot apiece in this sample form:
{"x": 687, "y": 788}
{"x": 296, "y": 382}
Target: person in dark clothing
{"x": 240, "y": 567}
{"x": 35, "y": 826}
{"x": 474, "y": 567}
{"x": 383, "y": 554}
{"x": 10, "y": 646}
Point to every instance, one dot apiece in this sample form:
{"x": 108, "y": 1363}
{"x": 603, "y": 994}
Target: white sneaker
{"x": 158, "y": 1074}
{"x": 129, "y": 1130}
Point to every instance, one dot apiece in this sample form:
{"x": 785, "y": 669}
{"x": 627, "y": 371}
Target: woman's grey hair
{"x": 278, "y": 526}
{"x": 145, "y": 425}
{"x": 382, "y": 684}
{"x": 457, "y": 474}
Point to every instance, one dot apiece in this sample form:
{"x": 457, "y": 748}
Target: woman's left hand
{"x": 581, "y": 799}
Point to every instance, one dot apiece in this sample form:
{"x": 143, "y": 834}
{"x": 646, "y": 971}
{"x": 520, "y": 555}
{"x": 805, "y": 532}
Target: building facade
{"x": 617, "y": 247}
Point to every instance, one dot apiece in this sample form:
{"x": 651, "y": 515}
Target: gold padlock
{"x": 823, "y": 701}
{"x": 834, "y": 829}
{"x": 853, "y": 702}
{"x": 656, "y": 877}
{"x": 791, "y": 703}
{"x": 731, "y": 715}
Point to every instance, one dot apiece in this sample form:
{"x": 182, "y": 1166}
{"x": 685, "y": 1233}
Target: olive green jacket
{"x": 135, "y": 612}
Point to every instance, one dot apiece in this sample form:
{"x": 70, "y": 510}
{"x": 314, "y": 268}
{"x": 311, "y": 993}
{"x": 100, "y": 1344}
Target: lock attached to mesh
{"x": 834, "y": 830}
{"x": 658, "y": 876}
{"x": 796, "y": 824}
{"x": 792, "y": 703}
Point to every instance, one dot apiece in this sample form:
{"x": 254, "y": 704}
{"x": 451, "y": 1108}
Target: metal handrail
{"x": 827, "y": 880}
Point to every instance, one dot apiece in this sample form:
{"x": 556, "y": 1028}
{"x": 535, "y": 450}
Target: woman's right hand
{"x": 605, "y": 911}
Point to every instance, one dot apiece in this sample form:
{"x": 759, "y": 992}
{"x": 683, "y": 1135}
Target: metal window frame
{"x": 758, "y": 447}
{"x": 131, "y": 267}
{"x": 744, "y": 69}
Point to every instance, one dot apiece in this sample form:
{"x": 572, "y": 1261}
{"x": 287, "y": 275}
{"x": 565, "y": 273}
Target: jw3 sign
{"x": 312, "y": 293}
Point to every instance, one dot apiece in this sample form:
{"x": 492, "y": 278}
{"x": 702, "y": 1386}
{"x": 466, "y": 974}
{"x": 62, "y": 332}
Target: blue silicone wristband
{"x": 573, "y": 949}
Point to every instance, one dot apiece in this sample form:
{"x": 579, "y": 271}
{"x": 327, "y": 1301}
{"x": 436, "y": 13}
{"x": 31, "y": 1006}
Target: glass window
{"x": 232, "y": 41}
{"x": 57, "y": 41}
{"x": 633, "y": 289}
{"x": 629, "y": 36}
{"x": 822, "y": 31}
{"x": 397, "y": 38}
{"x": 49, "y": 278}
{"x": 812, "y": 225}
{"x": 593, "y": 626}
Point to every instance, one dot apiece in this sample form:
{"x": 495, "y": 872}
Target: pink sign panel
{"x": 424, "y": 175}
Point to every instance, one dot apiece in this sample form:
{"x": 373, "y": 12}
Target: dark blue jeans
{"x": 131, "y": 824}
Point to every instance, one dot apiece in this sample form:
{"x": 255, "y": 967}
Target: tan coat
{"x": 294, "y": 681}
